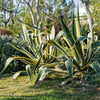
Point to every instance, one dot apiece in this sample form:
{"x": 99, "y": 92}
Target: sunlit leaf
{"x": 9, "y": 60}
{"x": 74, "y": 27}
{"x": 95, "y": 66}
{"x": 18, "y": 73}
{"x": 67, "y": 33}
{"x": 28, "y": 69}
{"x": 69, "y": 66}
{"x": 52, "y": 35}
{"x": 43, "y": 69}
{"x": 59, "y": 35}
{"x": 95, "y": 44}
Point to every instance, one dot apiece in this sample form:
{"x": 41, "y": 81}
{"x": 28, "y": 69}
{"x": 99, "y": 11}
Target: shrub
{"x": 91, "y": 79}
{"x": 8, "y": 52}
{"x": 5, "y": 32}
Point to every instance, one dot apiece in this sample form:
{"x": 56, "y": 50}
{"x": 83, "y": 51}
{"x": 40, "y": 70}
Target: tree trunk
{"x": 32, "y": 15}
{"x": 90, "y": 20}
{"x": 31, "y": 11}
{"x": 11, "y": 13}
{"x": 30, "y": 5}
{"x": 38, "y": 13}
{"x": 37, "y": 9}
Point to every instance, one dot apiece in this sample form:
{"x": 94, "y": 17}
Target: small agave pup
{"x": 80, "y": 61}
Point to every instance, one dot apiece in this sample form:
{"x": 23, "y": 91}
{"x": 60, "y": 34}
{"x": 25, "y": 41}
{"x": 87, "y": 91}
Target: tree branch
{"x": 31, "y": 11}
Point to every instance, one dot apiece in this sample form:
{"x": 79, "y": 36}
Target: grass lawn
{"x": 22, "y": 89}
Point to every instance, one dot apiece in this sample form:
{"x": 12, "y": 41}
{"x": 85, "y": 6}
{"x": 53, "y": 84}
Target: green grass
{"x": 22, "y": 89}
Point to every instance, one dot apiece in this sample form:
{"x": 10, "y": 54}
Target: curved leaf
{"x": 18, "y": 73}
{"x": 95, "y": 44}
{"x": 82, "y": 38}
{"x": 9, "y": 60}
{"x": 67, "y": 33}
{"x": 69, "y": 66}
{"x": 58, "y": 47}
{"x": 25, "y": 58}
{"x": 24, "y": 51}
{"x": 59, "y": 35}
{"x": 43, "y": 69}
{"x": 79, "y": 51}
{"x": 44, "y": 74}
{"x": 25, "y": 32}
{"x": 78, "y": 33}
{"x": 74, "y": 27}
{"x": 47, "y": 71}
{"x": 76, "y": 65}
{"x": 52, "y": 35}
{"x": 28, "y": 69}
{"x": 40, "y": 73}
{"x": 95, "y": 66}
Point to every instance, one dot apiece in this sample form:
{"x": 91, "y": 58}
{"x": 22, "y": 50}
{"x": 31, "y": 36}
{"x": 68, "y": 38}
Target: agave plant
{"x": 80, "y": 60}
{"x": 38, "y": 51}
{"x": 31, "y": 57}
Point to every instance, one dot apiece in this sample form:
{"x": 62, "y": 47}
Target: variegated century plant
{"x": 39, "y": 51}
{"x": 80, "y": 61}
{"x": 33, "y": 53}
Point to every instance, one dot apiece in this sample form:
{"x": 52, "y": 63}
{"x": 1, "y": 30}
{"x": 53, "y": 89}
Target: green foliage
{"x": 97, "y": 57}
{"x": 91, "y": 79}
{"x": 26, "y": 17}
{"x": 15, "y": 28}
{"x": 96, "y": 14}
{"x": 8, "y": 52}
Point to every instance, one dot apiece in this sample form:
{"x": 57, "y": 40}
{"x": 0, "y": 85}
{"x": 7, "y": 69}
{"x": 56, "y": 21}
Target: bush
{"x": 97, "y": 57}
{"x": 91, "y": 79}
{"x": 8, "y": 52}
{"x": 5, "y": 32}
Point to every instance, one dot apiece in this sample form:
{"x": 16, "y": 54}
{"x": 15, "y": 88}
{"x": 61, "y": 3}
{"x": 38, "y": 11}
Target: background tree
{"x": 46, "y": 11}
{"x": 34, "y": 7}
{"x": 6, "y": 8}
{"x": 85, "y": 4}
{"x": 96, "y": 15}
{"x": 55, "y": 8}
{"x": 48, "y": 8}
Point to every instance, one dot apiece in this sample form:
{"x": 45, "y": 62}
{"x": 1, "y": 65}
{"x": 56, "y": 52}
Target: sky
{"x": 81, "y": 8}
{"x": 77, "y": 2}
